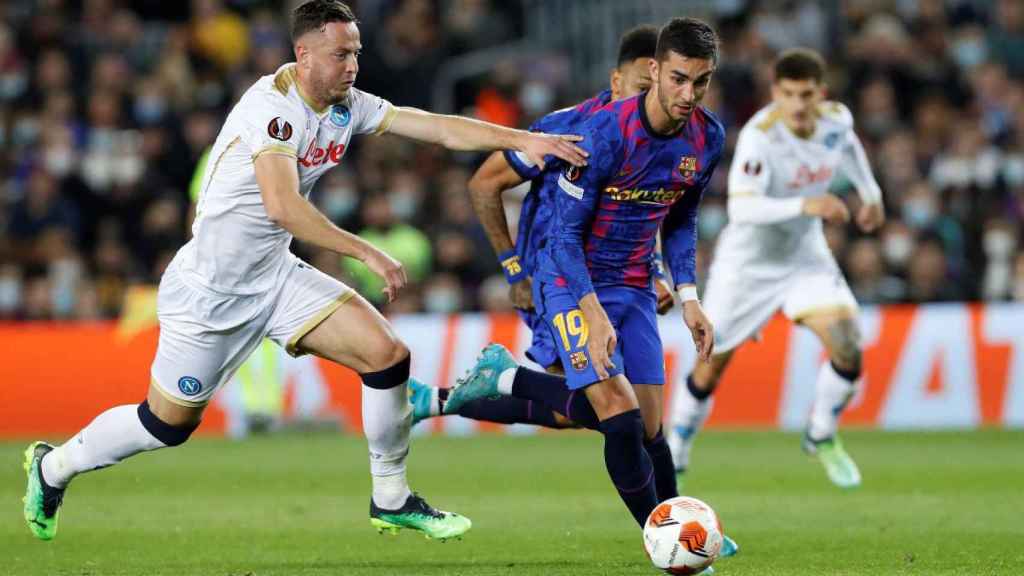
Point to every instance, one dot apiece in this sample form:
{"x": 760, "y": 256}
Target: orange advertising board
{"x": 932, "y": 366}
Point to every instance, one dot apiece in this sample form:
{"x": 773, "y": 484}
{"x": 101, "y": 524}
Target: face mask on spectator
{"x": 969, "y": 52}
{"x": 897, "y": 249}
{"x": 1013, "y": 171}
{"x": 999, "y": 244}
{"x": 339, "y": 202}
{"x": 59, "y": 161}
{"x": 712, "y": 220}
{"x": 10, "y": 295}
{"x": 441, "y": 301}
{"x": 918, "y": 212}
{"x": 150, "y": 110}
{"x": 403, "y": 204}
{"x": 25, "y": 131}
{"x": 536, "y": 97}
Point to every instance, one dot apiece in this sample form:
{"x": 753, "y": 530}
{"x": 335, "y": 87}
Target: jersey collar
{"x": 642, "y": 105}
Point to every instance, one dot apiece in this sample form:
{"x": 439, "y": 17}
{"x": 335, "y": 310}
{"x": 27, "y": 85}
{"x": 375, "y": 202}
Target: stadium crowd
{"x": 106, "y": 107}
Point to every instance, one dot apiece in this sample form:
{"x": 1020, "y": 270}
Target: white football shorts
{"x": 206, "y": 335}
{"x": 739, "y": 301}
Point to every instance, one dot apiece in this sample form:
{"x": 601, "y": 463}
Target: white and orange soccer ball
{"x": 682, "y": 535}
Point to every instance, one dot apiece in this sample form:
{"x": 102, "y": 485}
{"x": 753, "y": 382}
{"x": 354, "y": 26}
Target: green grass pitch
{"x": 932, "y": 503}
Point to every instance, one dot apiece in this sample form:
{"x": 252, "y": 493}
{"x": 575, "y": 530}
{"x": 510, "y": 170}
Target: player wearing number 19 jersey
{"x": 651, "y": 157}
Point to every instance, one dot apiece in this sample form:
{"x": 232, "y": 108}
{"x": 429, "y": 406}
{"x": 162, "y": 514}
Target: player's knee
{"x": 169, "y": 434}
{"x": 613, "y": 398}
{"x": 394, "y": 374}
{"x": 386, "y": 352}
{"x": 705, "y": 377}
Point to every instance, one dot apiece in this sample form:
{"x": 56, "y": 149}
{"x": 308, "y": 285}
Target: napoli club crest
{"x": 189, "y": 386}
{"x": 340, "y": 115}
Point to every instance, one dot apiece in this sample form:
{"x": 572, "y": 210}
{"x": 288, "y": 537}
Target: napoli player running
{"x": 505, "y": 170}
{"x": 651, "y": 158}
{"x": 236, "y": 282}
{"x": 773, "y": 255}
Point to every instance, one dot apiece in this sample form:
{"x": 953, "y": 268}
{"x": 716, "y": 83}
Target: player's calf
{"x": 111, "y": 437}
{"x": 627, "y": 461}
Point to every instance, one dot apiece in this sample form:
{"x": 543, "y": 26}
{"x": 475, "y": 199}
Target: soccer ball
{"x": 682, "y": 535}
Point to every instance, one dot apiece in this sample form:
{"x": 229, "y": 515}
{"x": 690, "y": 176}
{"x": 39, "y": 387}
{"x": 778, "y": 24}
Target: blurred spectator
{"x": 927, "y": 278}
{"x": 219, "y": 35}
{"x": 402, "y": 241}
{"x": 493, "y": 295}
{"x": 1006, "y": 36}
{"x": 106, "y": 108}
{"x": 442, "y": 294}
{"x": 42, "y": 209}
{"x": 865, "y": 268}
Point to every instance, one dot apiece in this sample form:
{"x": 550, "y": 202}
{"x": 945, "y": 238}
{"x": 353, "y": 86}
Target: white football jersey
{"x": 236, "y": 248}
{"x": 773, "y": 163}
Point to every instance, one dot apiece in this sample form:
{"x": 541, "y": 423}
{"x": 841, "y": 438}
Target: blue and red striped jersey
{"x": 607, "y": 214}
{"x": 538, "y": 205}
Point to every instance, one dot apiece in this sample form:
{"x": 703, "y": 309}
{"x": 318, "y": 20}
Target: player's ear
{"x": 615, "y": 82}
{"x": 654, "y": 66}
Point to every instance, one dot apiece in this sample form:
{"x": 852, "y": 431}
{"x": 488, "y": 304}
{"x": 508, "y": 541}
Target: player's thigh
{"x": 822, "y": 301}
{"x": 565, "y": 321}
{"x": 318, "y": 314}
{"x": 204, "y": 337}
{"x": 636, "y": 319}
{"x": 839, "y": 334}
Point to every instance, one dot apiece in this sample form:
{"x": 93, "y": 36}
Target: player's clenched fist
{"x": 389, "y": 269}
{"x": 870, "y": 217}
{"x": 828, "y": 207}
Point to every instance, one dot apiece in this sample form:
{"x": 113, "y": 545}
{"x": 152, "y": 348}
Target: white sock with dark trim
{"x": 832, "y": 392}
{"x": 110, "y": 438}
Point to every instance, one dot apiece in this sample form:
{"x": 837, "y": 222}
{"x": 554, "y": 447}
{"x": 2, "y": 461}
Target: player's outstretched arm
{"x": 278, "y": 179}
{"x": 460, "y": 133}
{"x": 486, "y": 186}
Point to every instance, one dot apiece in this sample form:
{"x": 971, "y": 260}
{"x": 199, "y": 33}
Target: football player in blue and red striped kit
{"x": 505, "y": 170}
{"x": 651, "y": 156}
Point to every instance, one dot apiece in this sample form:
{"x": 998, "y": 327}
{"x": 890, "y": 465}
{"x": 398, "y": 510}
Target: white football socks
{"x": 832, "y": 393}
{"x": 111, "y": 437}
{"x": 387, "y": 418}
{"x": 688, "y": 416}
{"x": 505, "y": 381}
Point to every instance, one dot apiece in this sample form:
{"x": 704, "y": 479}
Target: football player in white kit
{"x": 236, "y": 282}
{"x": 772, "y": 254}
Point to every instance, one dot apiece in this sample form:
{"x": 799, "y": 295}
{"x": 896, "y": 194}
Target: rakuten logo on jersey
{"x": 805, "y": 176}
{"x": 316, "y": 156}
